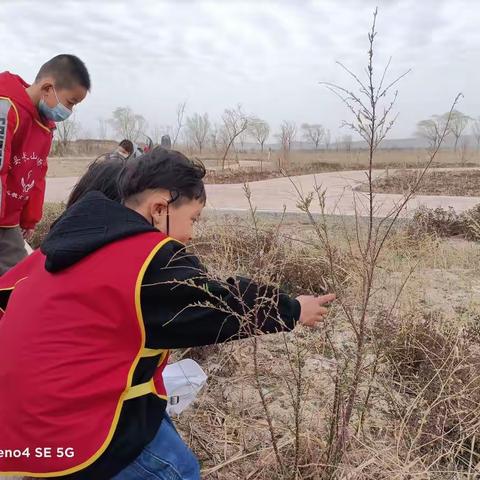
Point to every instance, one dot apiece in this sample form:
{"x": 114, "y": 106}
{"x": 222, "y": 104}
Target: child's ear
{"x": 159, "y": 206}
{"x": 45, "y": 85}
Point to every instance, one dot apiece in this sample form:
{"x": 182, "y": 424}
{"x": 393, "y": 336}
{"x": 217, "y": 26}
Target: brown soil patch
{"x": 464, "y": 183}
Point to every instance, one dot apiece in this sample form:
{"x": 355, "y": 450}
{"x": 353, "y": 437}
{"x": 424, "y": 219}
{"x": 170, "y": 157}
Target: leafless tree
{"x": 156, "y": 134}
{"x": 142, "y": 126}
{"x": 198, "y": 127}
{"x": 214, "y": 137}
{"x": 127, "y": 124}
{"x": 85, "y": 133}
{"x": 102, "y": 129}
{"x": 431, "y": 130}
{"x": 313, "y": 133}
{"x": 288, "y": 132}
{"x": 242, "y": 139}
{"x": 338, "y": 144}
{"x": 464, "y": 147}
{"x": 65, "y": 133}
{"x": 371, "y": 107}
{"x": 476, "y": 131}
{"x": 235, "y": 122}
{"x": 179, "y": 122}
{"x": 327, "y": 138}
{"x": 347, "y": 143}
{"x": 458, "y": 123}
{"x": 260, "y": 131}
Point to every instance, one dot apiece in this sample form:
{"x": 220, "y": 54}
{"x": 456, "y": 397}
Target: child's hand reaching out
{"x": 313, "y": 309}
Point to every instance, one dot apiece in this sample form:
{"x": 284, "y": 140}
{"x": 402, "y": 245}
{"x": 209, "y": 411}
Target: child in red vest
{"x": 27, "y": 119}
{"x": 118, "y": 291}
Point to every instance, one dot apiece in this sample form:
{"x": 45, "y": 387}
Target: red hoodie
{"x": 25, "y": 141}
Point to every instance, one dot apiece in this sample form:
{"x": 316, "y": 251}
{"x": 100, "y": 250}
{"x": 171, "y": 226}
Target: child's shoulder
{"x": 173, "y": 255}
{"x": 171, "y": 249}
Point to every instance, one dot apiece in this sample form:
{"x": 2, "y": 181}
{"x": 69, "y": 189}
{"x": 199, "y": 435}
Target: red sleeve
{"x": 33, "y": 209}
{"x": 8, "y": 126}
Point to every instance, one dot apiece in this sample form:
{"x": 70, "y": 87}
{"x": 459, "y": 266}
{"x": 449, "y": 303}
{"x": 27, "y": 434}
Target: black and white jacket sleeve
{"x": 183, "y": 307}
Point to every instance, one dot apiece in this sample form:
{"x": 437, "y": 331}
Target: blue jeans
{"x": 166, "y": 457}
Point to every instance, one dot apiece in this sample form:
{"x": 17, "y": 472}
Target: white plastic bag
{"x": 29, "y": 250}
{"x": 183, "y": 381}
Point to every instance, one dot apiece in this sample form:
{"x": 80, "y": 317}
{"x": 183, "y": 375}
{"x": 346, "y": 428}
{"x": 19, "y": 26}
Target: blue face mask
{"x": 58, "y": 113}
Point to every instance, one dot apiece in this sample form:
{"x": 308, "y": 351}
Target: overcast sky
{"x": 267, "y": 55}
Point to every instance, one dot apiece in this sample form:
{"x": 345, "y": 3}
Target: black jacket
{"x": 181, "y": 307}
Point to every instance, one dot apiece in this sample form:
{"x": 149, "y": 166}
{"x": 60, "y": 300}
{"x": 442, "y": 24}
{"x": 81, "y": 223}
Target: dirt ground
{"x": 258, "y": 166}
{"x": 459, "y": 183}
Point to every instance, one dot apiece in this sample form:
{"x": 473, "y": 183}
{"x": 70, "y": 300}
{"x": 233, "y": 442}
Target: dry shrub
{"x": 239, "y": 176}
{"x": 471, "y": 219}
{"x": 264, "y": 395}
{"x": 51, "y": 212}
{"x": 432, "y": 378}
{"x": 229, "y": 429}
{"x": 318, "y": 166}
{"x": 420, "y": 423}
{"x": 461, "y": 183}
{"x": 252, "y": 174}
{"x": 443, "y": 222}
{"x": 262, "y": 252}
{"x": 438, "y": 221}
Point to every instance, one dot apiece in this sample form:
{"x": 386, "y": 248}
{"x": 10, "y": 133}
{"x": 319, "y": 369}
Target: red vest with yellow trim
{"x": 25, "y": 142}
{"x": 69, "y": 345}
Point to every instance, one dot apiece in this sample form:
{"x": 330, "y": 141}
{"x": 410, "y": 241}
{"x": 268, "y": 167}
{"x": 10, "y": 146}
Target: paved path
{"x": 272, "y": 195}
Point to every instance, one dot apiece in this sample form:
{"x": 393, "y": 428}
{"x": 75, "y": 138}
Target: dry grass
{"x": 445, "y": 223}
{"x": 346, "y": 160}
{"x": 51, "y": 212}
{"x": 256, "y": 166}
{"x": 230, "y": 246}
{"x": 422, "y": 419}
{"x": 461, "y": 183}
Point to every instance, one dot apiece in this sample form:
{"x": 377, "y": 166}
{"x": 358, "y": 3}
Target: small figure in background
{"x": 125, "y": 148}
{"x": 166, "y": 142}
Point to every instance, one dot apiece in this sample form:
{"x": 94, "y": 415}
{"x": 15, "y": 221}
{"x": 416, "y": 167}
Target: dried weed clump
{"x": 443, "y": 222}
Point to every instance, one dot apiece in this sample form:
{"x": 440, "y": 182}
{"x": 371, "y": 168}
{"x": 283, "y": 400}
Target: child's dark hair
{"x": 67, "y": 70}
{"x": 166, "y": 169}
{"x": 101, "y": 175}
{"x": 127, "y": 145}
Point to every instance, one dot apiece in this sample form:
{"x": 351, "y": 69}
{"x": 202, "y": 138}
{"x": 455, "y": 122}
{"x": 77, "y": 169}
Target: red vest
{"x": 25, "y": 141}
{"x": 69, "y": 345}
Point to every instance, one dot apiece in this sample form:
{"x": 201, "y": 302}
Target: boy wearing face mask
{"x": 27, "y": 120}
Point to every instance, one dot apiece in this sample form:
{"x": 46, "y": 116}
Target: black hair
{"x": 101, "y": 175}
{"x": 127, "y": 145}
{"x": 67, "y": 71}
{"x": 166, "y": 141}
{"x": 165, "y": 169}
